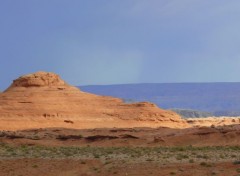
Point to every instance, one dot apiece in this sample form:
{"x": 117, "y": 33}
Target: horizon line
{"x": 159, "y": 83}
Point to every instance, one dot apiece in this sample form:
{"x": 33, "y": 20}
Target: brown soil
{"x": 70, "y": 167}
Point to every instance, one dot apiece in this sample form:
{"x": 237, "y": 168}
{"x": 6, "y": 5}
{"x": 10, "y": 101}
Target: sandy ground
{"x": 24, "y": 123}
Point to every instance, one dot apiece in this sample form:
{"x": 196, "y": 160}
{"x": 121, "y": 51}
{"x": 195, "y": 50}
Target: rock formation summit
{"x": 45, "y": 100}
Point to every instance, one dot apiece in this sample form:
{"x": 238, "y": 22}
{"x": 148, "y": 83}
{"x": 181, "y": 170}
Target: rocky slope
{"x": 42, "y": 96}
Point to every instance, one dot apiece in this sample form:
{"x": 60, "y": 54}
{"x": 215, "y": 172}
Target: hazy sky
{"x": 121, "y": 41}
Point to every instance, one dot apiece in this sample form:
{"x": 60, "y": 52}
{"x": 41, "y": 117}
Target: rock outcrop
{"x": 46, "y": 95}
{"x": 39, "y": 79}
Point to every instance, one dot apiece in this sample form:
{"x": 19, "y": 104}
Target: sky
{"x": 97, "y": 42}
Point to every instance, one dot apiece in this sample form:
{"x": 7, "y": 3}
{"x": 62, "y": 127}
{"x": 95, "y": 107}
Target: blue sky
{"x": 121, "y": 41}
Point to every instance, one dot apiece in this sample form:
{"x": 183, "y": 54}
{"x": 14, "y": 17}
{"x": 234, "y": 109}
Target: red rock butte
{"x": 43, "y": 99}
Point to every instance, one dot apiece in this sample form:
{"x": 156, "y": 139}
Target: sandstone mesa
{"x": 43, "y": 99}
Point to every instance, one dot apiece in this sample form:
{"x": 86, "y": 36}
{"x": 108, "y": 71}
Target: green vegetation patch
{"x": 187, "y": 154}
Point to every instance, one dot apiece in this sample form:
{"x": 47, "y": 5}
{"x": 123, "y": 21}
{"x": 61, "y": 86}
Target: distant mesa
{"x": 220, "y": 99}
{"x": 46, "y": 95}
{"x": 190, "y": 113}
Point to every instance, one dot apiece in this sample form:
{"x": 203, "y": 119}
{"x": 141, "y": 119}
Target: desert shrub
{"x": 236, "y": 162}
{"x": 83, "y": 162}
{"x": 35, "y": 166}
{"x": 181, "y": 156}
{"x": 191, "y": 161}
{"x": 205, "y": 164}
{"x": 172, "y": 173}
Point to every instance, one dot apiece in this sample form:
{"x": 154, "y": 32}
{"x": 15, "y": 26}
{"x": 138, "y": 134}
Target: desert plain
{"x": 48, "y": 127}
